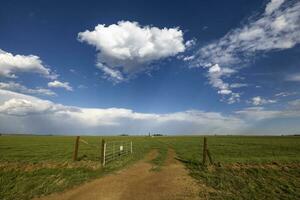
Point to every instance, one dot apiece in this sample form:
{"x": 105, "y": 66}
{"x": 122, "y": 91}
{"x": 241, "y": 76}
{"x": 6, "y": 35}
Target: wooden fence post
{"x": 131, "y": 147}
{"x": 103, "y": 149}
{"x": 204, "y": 151}
{"x": 76, "y": 148}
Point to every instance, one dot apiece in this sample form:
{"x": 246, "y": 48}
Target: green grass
{"x": 251, "y": 167}
{"x": 162, "y": 149}
{"x": 55, "y": 153}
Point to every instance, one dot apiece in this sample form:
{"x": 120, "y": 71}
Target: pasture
{"x": 245, "y": 167}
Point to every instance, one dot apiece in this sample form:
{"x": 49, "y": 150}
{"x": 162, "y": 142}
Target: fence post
{"x": 76, "y": 148}
{"x": 131, "y": 147}
{"x": 204, "y": 150}
{"x": 103, "y": 149}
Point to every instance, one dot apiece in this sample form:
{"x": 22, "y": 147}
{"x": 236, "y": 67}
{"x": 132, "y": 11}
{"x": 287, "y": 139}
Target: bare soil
{"x": 138, "y": 182}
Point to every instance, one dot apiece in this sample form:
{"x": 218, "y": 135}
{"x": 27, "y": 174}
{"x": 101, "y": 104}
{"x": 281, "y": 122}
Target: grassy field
{"x": 247, "y": 167}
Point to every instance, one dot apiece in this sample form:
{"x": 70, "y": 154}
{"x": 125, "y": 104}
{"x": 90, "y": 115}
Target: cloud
{"x": 295, "y": 104}
{"x": 81, "y": 86}
{"x": 285, "y": 94}
{"x": 127, "y": 48}
{"x": 21, "y": 110}
{"x": 214, "y": 75}
{"x": 273, "y": 5}
{"x": 257, "y": 101}
{"x": 58, "y": 84}
{"x": 256, "y": 113}
{"x": 238, "y": 85}
{"x": 23, "y": 107}
{"x": 17, "y": 104}
{"x": 190, "y": 43}
{"x": 278, "y": 28}
{"x": 12, "y": 86}
{"x": 293, "y": 77}
{"x": 275, "y": 31}
{"x": 11, "y": 64}
{"x": 188, "y": 58}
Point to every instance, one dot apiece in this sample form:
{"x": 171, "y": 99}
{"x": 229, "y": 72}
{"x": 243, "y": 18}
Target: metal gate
{"x": 113, "y": 150}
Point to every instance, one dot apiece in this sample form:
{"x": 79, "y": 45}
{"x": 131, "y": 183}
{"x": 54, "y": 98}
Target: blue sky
{"x": 110, "y": 67}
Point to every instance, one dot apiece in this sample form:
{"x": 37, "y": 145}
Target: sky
{"x": 134, "y": 67}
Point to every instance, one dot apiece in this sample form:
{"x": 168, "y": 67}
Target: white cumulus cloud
{"x": 58, "y": 84}
{"x": 127, "y": 48}
{"x": 11, "y": 64}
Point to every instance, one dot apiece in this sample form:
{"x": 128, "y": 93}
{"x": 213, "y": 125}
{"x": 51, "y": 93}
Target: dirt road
{"x": 138, "y": 182}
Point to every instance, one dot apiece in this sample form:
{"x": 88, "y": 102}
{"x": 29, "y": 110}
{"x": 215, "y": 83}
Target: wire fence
{"x": 110, "y": 151}
{"x": 114, "y": 150}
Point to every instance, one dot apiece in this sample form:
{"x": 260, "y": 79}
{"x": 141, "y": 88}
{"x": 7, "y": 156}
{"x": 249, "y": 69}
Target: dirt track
{"x": 138, "y": 182}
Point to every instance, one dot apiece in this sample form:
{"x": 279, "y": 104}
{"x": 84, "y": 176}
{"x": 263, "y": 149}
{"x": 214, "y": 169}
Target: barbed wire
{"x": 92, "y": 145}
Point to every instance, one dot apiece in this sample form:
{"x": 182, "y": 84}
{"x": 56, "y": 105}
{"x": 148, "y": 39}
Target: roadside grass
{"x": 250, "y": 167}
{"x": 249, "y": 183}
{"x": 20, "y": 185}
{"x": 241, "y": 149}
{"x": 32, "y": 166}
